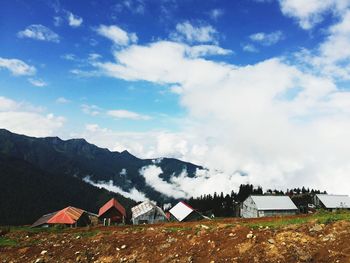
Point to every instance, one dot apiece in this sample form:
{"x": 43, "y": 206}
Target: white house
{"x": 332, "y": 202}
{"x": 183, "y": 212}
{"x": 267, "y": 205}
{"x": 147, "y": 213}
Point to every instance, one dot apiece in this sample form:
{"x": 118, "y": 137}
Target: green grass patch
{"x": 6, "y": 242}
{"x": 177, "y": 229}
{"x": 321, "y": 217}
{"x": 86, "y": 234}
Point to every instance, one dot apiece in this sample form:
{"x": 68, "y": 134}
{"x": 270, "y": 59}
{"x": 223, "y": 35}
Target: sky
{"x": 252, "y": 87}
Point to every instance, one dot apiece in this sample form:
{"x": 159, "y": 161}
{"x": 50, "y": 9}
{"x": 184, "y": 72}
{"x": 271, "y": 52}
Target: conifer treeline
{"x": 222, "y": 205}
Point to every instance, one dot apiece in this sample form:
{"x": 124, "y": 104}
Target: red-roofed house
{"x": 112, "y": 212}
{"x": 69, "y": 216}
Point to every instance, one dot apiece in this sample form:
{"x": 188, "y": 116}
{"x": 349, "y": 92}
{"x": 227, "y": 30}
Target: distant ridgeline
{"x": 41, "y": 175}
{"x": 222, "y": 205}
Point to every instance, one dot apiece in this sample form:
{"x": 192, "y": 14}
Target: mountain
{"x": 27, "y": 192}
{"x": 78, "y": 158}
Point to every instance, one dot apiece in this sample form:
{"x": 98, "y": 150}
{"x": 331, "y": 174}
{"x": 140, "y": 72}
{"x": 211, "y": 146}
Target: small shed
{"x": 112, "y": 212}
{"x": 183, "y": 212}
{"x": 332, "y": 202}
{"x": 147, "y": 213}
{"x": 267, "y": 205}
{"x": 69, "y": 216}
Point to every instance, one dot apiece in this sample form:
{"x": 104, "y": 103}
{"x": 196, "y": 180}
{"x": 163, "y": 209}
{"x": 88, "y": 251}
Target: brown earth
{"x": 225, "y": 240}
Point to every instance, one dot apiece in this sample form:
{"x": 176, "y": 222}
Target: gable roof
{"x": 43, "y": 220}
{"x": 273, "y": 202}
{"x": 144, "y": 208}
{"x": 69, "y": 215}
{"x": 334, "y": 201}
{"x": 110, "y": 204}
{"x": 181, "y": 210}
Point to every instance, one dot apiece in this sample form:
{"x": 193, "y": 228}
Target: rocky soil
{"x": 304, "y": 239}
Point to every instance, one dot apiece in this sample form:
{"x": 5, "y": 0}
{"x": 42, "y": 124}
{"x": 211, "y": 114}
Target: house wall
{"x": 267, "y": 213}
{"x": 150, "y": 217}
{"x": 249, "y": 209}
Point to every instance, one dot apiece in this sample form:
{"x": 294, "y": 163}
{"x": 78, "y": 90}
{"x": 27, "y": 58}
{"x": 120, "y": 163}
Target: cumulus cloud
{"x": 187, "y": 32}
{"x": 279, "y": 124}
{"x": 22, "y": 118}
{"x": 310, "y": 13}
{"x": 37, "y": 82}
{"x": 125, "y": 114}
{"x": 39, "y": 32}
{"x": 17, "y": 67}
{"x": 117, "y": 35}
{"x": 73, "y": 20}
{"x": 133, "y": 193}
{"x": 267, "y": 39}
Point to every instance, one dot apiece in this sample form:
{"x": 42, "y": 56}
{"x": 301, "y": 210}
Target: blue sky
{"x": 259, "y": 86}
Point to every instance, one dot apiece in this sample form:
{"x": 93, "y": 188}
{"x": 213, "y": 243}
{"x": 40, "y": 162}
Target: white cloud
{"x": 25, "y": 119}
{"x": 187, "y": 32}
{"x": 133, "y": 193}
{"x": 310, "y": 13}
{"x": 250, "y": 48}
{"x": 216, "y": 13}
{"x": 17, "y": 67}
{"x": 39, "y": 32}
{"x": 207, "y": 50}
{"x": 117, "y": 35}
{"x": 331, "y": 57}
{"x": 37, "y": 82}
{"x": 267, "y": 39}
{"x": 134, "y": 6}
{"x": 282, "y": 126}
{"x": 74, "y": 21}
{"x": 125, "y": 114}
{"x": 69, "y": 56}
{"x": 91, "y": 110}
{"x": 57, "y": 21}
{"x": 62, "y": 100}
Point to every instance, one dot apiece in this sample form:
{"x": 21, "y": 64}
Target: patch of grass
{"x": 321, "y": 217}
{"x": 6, "y": 242}
{"x": 178, "y": 229}
{"x": 87, "y": 233}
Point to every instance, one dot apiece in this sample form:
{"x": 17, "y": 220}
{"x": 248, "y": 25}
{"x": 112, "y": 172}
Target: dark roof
{"x": 44, "y": 219}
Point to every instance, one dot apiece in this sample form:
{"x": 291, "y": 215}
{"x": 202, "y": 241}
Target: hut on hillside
{"x": 267, "y": 205}
{"x": 332, "y": 202}
{"x": 112, "y": 213}
{"x": 182, "y": 212}
{"x": 69, "y": 216}
{"x": 147, "y": 213}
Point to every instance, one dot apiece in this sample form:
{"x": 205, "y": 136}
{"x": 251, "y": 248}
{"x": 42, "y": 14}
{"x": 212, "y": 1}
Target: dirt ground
{"x": 305, "y": 239}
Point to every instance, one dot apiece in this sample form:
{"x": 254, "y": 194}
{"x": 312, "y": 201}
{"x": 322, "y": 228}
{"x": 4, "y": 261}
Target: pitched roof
{"x": 43, "y": 220}
{"x": 334, "y": 201}
{"x": 69, "y": 215}
{"x": 181, "y": 210}
{"x": 144, "y": 208}
{"x": 112, "y": 203}
{"x": 273, "y": 202}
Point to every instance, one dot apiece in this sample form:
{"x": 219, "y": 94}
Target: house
{"x": 332, "y": 202}
{"x": 69, "y": 216}
{"x": 147, "y": 213}
{"x": 267, "y": 205}
{"x": 112, "y": 212}
{"x": 182, "y": 212}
